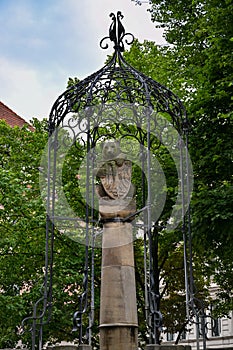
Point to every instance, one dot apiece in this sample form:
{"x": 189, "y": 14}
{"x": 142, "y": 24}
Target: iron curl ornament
{"x": 117, "y": 34}
{"x": 117, "y": 102}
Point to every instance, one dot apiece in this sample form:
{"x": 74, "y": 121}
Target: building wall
{"x": 222, "y": 339}
{"x": 11, "y": 118}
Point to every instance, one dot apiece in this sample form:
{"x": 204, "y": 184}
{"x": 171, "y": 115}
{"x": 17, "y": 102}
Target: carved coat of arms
{"x": 114, "y": 172}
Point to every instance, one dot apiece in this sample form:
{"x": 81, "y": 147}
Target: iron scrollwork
{"x": 117, "y": 34}
{"x": 120, "y": 102}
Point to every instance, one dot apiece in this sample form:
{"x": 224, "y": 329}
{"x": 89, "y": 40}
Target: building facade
{"x": 11, "y": 118}
{"x": 219, "y": 331}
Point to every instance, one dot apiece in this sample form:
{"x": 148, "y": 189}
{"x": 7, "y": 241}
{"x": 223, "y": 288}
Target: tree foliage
{"x": 22, "y": 245}
{"x": 197, "y": 65}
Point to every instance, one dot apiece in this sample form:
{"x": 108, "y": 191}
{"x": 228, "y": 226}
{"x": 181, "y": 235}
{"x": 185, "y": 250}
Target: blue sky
{"x": 44, "y": 42}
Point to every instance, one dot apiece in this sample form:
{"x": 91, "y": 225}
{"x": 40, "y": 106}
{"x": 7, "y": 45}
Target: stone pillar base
{"x": 70, "y": 347}
{"x": 62, "y": 347}
{"x": 118, "y": 338}
{"x": 84, "y": 347}
{"x": 167, "y": 347}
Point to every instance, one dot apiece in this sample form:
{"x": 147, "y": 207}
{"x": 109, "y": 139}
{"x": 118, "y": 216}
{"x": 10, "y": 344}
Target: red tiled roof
{"x": 11, "y": 117}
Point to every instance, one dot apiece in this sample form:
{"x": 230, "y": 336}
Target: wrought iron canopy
{"x": 118, "y": 82}
{"x": 119, "y": 102}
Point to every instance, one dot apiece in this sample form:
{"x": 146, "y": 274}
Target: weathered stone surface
{"x": 118, "y": 255}
{"x": 118, "y": 338}
{"x": 117, "y": 207}
{"x": 117, "y": 234}
{"x": 167, "y": 347}
{"x": 118, "y": 299}
{"x": 84, "y": 347}
{"x": 114, "y": 172}
{"x": 118, "y": 290}
{"x": 64, "y": 347}
{"x": 118, "y": 311}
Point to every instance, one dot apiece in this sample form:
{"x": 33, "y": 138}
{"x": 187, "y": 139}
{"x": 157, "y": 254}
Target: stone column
{"x": 118, "y": 310}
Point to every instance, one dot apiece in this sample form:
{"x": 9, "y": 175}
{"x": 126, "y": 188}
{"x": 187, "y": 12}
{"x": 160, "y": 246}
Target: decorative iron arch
{"x": 116, "y": 102}
{"x": 119, "y": 82}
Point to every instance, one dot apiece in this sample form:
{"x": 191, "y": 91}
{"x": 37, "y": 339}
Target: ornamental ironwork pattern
{"x": 118, "y": 82}
{"x": 116, "y": 102}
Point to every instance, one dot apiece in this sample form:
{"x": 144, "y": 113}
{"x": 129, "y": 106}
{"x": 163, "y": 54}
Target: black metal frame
{"x": 119, "y": 101}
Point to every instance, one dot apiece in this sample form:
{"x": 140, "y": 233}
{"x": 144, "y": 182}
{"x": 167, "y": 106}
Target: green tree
{"x": 197, "y": 65}
{"x": 202, "y": 35}
{"x": 22, "y": 244}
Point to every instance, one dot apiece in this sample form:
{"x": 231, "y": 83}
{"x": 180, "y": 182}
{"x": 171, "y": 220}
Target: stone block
{"x": 65, "y": 347}
{"x": 118, "y": 338}
{"x": 84, "y": 347}
{"x": 167, "y": 347}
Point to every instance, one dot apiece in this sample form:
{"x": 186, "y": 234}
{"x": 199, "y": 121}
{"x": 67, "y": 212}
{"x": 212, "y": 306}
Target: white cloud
{"x": 90, "y": 21}
{"x": 28, "y": 92}
{"x": 46, "y": 42}
{"x": 136, "y": 18}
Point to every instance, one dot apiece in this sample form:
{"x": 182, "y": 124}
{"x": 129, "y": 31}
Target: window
{"x": 183, "y": 335}
{"x": 170, "y": 336}
{"x": 215, "y": 327}
{"x": 215, "y": 324}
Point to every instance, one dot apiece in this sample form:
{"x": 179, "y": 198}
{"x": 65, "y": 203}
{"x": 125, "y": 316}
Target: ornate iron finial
{"x": 117, "y": 33}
